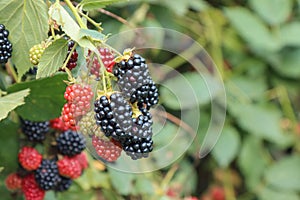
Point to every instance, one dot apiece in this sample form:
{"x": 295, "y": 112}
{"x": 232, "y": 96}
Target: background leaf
{"x": 11, "y": 101}
{"x": 252, "y": 29}
{"x": 46, "y": 98}
{"x": 285, "y": 174}
{"x": 267, "y": 8}
{"x": 52, "y": 58}
{"x": 122, "y": 181}
{"x": 227, "y": 147}
{"x": 201, "y": 89}
{"x": 95, "y": 4}
{"x": 289, "y": 34}
{"x": 27, "y": 21}
{"x": 268, "y": 193}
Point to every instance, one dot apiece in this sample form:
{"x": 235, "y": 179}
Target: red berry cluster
{"x": 214, "y": 193}
{"x": 72, "y": 63}
{"x": 110, "y": 150}
{"x": 79, "y": 98}
{"x": 107, "y": 59}
{"x": 65, "y": 159}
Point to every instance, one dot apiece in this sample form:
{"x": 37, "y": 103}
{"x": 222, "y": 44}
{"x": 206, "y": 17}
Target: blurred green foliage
{"x": 255, "y": 45}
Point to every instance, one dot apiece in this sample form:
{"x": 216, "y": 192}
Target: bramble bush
{"x": 63, "y": 60}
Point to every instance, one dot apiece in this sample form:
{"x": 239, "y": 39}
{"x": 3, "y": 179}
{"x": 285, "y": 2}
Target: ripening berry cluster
{"x": 115, "y": 114}
{"x": 107, "y": 59}
{"x": 64, "y": 159}
{"x": 78, "y": 104}
{"x": 36, "y": 52}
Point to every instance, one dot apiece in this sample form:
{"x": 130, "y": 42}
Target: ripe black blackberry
{"x": 113, "y": 115}
{"x": 70, "y": 143}
{"x": 63, "y": 184}
{"x": 137, "y": 147}
{"x": 47, "y": 175}
{"x": 132, "y": 74}
{"x": 146, "y": 96}
{"x": 5, "y": 45}
{"x": 35, "y": 131}
{"x": 142, "y": 126}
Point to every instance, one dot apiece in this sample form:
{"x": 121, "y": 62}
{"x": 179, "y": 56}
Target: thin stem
{"x": 286, "y": 104}
{"x": 97, "y": 25}
{"x": 228, "y": 187}
{"x": 11, "y": 70}
{"x": 178, "y": 122}
{"x": 75, "y": 13}
{"x": 165, "y": 182}
{"x": 120, "y": 19}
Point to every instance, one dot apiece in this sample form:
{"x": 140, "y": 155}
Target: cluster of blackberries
{"x": 72, "y": 63}
{"x": 135, "y": 82}
{"x": 5, "y": 45}
{"x": 114, "y": 113}
{"x": 65, "y": 159}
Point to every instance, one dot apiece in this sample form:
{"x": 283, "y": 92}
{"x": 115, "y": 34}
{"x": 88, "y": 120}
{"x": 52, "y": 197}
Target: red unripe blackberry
{"x": 35, "y": 131}
{"x": 59, "y": 124}
{"x": 47, "y": 175}
{"x": 63, "y": 184}
{"x": 30, "y": 158}
{"x": 217, "y": 193}
{"x": 31, "y": 189}
{"x": 5, "y": 45}
{"x": 69, "y": 167}
{"x": 13, "y": 182}
{"x": 106, "y": 149}
{"x": 78, "y": 93}
{"x": 70, "y": 143}
{"x": 73, "y": 59}
{"x": 82, "y": 159}
{"x": 107, "y": 59}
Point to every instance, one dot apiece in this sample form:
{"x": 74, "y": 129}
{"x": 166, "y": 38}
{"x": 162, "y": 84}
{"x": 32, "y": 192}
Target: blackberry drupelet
{"x": 5, "y": 45}
{"x": 113, "y": 115}
{"x": 63, "y": 184}
{"x": 47, "y": 175}
{"x": 70, "y": 143}
{"x": 35, "y": 131}
{"x": 132, "y": 74}
{"x": 146, "y": 95}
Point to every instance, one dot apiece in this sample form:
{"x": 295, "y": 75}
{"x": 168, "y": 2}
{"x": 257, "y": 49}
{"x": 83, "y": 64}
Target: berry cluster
{"x": 107, "y": 58}
{"x": 5, "y": 45}
{"x": 64, "y": 161}
{"x": 72, "y": 63}
{"x": 36, "y": 52}
{"x": 78, "y": 97}
{"x": 135, "y": 82}
{"x": 124, "y": 116}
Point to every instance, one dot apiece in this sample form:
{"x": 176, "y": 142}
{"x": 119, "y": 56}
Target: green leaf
{"x": 246, "y": 86}
{"x": 272, "y": 11}
{"x": 92, "y": 33}
{"x": 252, "y": 161}
{"x": 268, "y": 193}
{"x": 122, "y": 182}
{"x": 227, "y": 147}
{"x": 252, "y": 29}
{"x": 285, "y": 174}
{"x": 11, "y": 101}
{"x": 143, "y": 185}
{"x": 52, "y": 58}
{"x": 260, "y": 120}
{"x": 287, "y": 63}
{"x": 189, "y": 90}
{"x": 289, "y": 34}
{"x": 46, "y": 98}
{"x": 50, "y": 195}
{"x": 27, "y": 21}
{"x": 95, "y": 4}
